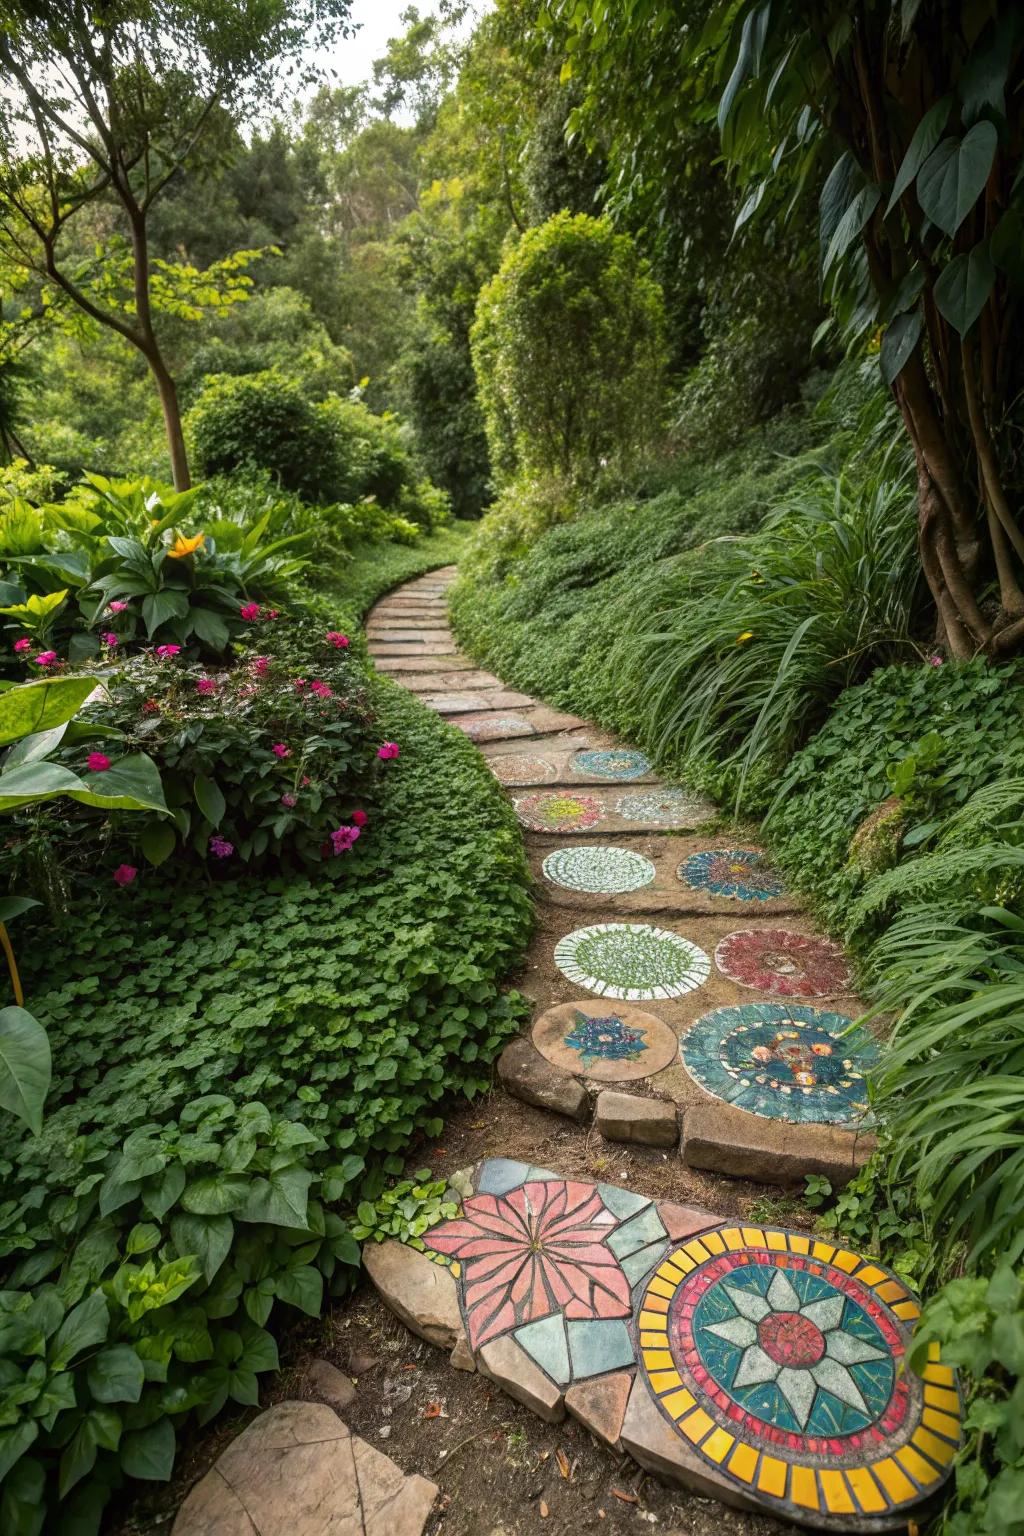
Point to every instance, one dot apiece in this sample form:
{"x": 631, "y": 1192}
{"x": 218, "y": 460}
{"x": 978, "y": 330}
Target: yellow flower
{"x": 748, "y": 634}
{"x": 182, "y": 546}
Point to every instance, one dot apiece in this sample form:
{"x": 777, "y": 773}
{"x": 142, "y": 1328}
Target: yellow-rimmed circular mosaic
{"x": 781, "y": 1360}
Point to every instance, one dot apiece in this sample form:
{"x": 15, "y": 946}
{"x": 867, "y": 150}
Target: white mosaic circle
{"x": 601, "y": 869}
{"x": 665, "y": 807}
{"x": 632, "y": 961}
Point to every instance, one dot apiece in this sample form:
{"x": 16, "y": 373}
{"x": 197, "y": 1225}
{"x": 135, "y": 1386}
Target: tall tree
{"x": 110, "y": 102}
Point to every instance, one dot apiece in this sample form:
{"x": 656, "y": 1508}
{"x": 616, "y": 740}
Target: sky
{"x": 352, "y": 58}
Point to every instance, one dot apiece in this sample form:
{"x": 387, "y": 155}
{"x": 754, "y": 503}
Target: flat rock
{"x": 722, "y": 1139}
{"x": 457, "y": 703}
{"x": 419, "y": 647}
{"x": 652, "y": 1441}
{"x": 423, "y": 1294}
{"x": 332, "y": 1385}
{"x": 445, "y": 682}
{"x": 600, "y": 1405}
{"x": 629, "y": 1117}
{"x": 505, "y": 1362}
{"x": 401, "y": 661}
{"x": 528, "y": 1076}
{"x": 297, "y": 1470}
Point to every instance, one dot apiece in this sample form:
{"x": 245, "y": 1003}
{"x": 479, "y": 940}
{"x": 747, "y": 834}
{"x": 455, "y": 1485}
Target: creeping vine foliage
{"x": 236, "y": 1067}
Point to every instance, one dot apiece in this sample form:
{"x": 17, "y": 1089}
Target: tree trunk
{"x": 172, "y": 421}
{"x": 150, "y": 347}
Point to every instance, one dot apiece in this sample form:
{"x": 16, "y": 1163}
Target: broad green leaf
{"x": 748, "y": 60}
{"x": 116, "y": 1375}
{"x": 158, "y": 607}
{"x": 259, "y": 1351}
{"x": 37, "y": 605}
{"x": 129, "y": 784}
{"x": 40, "y": 706}
{"x": 31, "y": 748}
{"x": 926, "y": 135}
{"x": 282, "y": 1199}
{"x": 158, "y": 841}
{"x": 963, "y": 286}
{"x": 36, "y": 781}
{"x": 24, "y": 1066}
{"x": 85, "y": 1325}
{"x": 208, "y": 1237}
{"x": 143, "y": 1238}
{"x": 302, "y": 1288}
{"x": 14, "y": 1443}
{"x": 954, "y": 175}
{"x": 209, "y": 799}
{"x": 216, "y": 1194}
{"x": 13, "y": 906}
{"x": 898, "y": 343}
{"x": 982, "y": 83}
{"x": 851, "y": 224}
{"x": 210, "y": 628}
{"x": 149, "y": 1453}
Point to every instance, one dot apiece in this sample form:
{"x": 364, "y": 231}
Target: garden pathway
{"x": 683, "y": 1001}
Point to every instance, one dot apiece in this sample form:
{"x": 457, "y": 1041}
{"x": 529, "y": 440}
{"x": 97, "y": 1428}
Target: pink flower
{"x": 306, "y": 781}
{"x": 933, "y": 661}
{"x": 360, "y": 818}
{"x": 98, "y": 762}
{"x": 118, "y": 606}
{"x": 339, "y": 641}
{"x": 206, "y": 685}
{"x": 343, "y": 838}
{"x": 168, "y": 650}
{"x": 46, "y": 659}
{"x": 260, "y": 665}
{"x": 151, "y": 707}
{"x": 280, "y": 750}
{"x": 289, "y": 800}
{"x": 275, "y": 613}
{"x": 24, "y": 644}
{"x": 250, "y": 612}
{"x": 109, "y": 639}
{"x": 124, "y": 874}
{"x": 388, "y": 750}
{"x": 246, "y": 690}
{"x": 321, "y": 690}
{"x": 221, "y": 848}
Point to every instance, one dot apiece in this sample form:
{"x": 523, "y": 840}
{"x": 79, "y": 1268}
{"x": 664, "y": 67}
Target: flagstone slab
{"x": 632, "y": 1117}
{"x": 454, "y": 702}
{"x": 761, "y": 1366}
{"x": 720, "y": 1139}
{"x": 444, "y": 682}
{"x": 525, "y": 722}
{"x": 531, "y": 1077}
{"x": 403, "y": 662}
{"x": 415, "y": 646}
{"x": 420, "y": 1292}
{"x": 419, "y": 629}
{"x": 298, "y": 1470}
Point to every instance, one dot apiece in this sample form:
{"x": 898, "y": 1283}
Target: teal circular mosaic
{"x": 632, "y": 961}
{"x": 737, "y": 872}
{"x": 615, "y": 763}
{"x": 602, "y": 870}
{"x": 783, "y": 1061}
{"x": 665, "y": 808}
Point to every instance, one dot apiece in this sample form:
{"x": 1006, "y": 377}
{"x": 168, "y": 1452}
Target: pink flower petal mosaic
{"x": 783, "y": 964}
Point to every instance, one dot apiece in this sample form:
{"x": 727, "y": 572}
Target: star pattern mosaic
{"x": 737, "y": 872}
{"x": 665, "y": 808}
{"x": 559, "y": 811}
{"x": 782, "y": 1062}
{"x": 619, "y": 763}
{"x": 598, "y": 869}
{"x": 783, "y": 963}
{"x": 782, "y": 1360}
{"x": 604, "y": 1039}
{"x": 608, "y": 1044}
{"x": 632, "y": 961}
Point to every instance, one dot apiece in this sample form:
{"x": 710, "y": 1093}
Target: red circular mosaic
{"x": 784, "y": 964}
{"x": 790, "y": 1339}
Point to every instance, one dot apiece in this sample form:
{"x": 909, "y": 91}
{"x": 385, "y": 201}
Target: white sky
{"x": 351, "y": 59}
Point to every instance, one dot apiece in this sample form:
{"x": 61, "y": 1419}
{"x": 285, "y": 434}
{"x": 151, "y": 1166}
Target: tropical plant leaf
{"x": 209, "y": 799}
{"x": 954, "y": 175}
{"x": 926, "y": 135}
{"x": 35, "y": 707}
{"x": 898, "y": 343}
{"x": 159, "y": 607}
{"x": 158, "y": 841}
{"x": 24, "y": 1066}
{"x": 129, "y": 784}
{"x": 963, "y": 286}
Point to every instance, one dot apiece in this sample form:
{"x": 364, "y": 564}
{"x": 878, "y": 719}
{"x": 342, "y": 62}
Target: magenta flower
{"x": 24, "y": 644}
{"x": 46, "y": 659}
{"x": 343, "y": 838}
{"x": 109, "y": 639}
{"x": 260, "y": 665}
{"x": 221, "y": 848}
{"x": 206, "y": 685}
{"x": 98, "y": 762}
{"x": 118, "y": 606}
{"x": 168, "y": 650}
{"x": 289, "y": 800}
{"x": 541, "y": 1249}
{"x": 124, "y": 874}
{"x": 360, "y": 818}
{"x": 275, "y": 613}
{"x": 339, "y": 641}
{"x": 250, "y": 612}
{"x": 388, "y": 751}
{"x": 280, "y": 750}
{"x": 321, "y": 690}
{"x": 935, "y": 661}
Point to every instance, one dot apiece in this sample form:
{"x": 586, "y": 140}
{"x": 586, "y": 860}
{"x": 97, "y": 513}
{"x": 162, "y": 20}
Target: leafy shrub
{"x": 233, "y": 1066}
{"x": 568, "y": 350}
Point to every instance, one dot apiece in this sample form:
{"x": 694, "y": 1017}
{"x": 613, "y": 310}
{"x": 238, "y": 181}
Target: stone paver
{"x": 298, "y": 1470}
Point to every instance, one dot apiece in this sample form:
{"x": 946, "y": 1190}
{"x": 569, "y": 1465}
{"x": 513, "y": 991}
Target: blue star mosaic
{"x": 605, "y": 1039}
{"x": 736, "y": 872}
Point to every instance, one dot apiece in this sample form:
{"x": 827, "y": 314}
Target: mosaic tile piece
{"x": 783, "y": 963}
{"x": 597, "y": 1347}
{"x": 542, "y": 1247}
{"x": 737, "y": 872}
{"x": 495, "y": 728}
{"x": 599, "y": 869}
{"x": 782, "y": 1361}
{"x": 546, "y": 1343}
{"x": 647, "y": 1227}
{"x": 638, "y": 1265}
{"x": 515, "y": 769}
{"x": 665, "y": 808}
{"x": 783, "y": 1061}
{"x": 632, "y": 961}
{"x": 619, "y": 763}
{"x": 622, "y": 1201}
{"x": 558, "y": 811}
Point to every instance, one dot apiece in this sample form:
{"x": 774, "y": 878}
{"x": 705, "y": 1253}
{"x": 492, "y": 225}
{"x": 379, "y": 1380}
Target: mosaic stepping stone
{"x": 519, "y": 769}
{"x": 598, "y": 869}
{"x": 783, "y": 963}
{"x": 783, "y": 1361}
{"x": 737, "y": 872}
{"x": 665, "y": 808}
{"x": 619, "y": 763}
{"x": 495, "y": 727}
{"x": 632, "y": 961}
{"x": 609, "y": 1045}
{"x": 559, "y": 811}
{"x": 783, "y": 1062}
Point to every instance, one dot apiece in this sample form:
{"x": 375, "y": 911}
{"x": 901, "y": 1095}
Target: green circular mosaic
{"x": 632, "y": 961}
{"x": 603, "y": 870}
